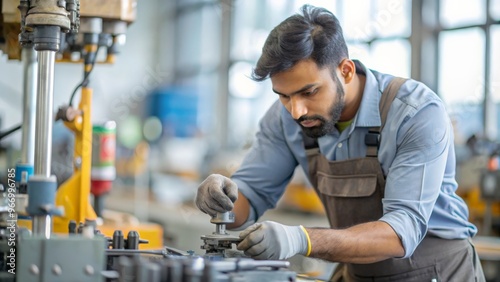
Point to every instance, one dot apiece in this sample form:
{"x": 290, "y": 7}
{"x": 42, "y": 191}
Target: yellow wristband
{"x": 309, "y": 247}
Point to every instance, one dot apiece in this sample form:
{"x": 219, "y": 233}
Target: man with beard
{"x": 377, "y": 149}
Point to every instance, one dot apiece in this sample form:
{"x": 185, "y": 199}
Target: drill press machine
{"x": 217, "y": 243}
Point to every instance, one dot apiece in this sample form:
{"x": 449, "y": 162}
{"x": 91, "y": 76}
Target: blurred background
{"x": 184, "y": 106}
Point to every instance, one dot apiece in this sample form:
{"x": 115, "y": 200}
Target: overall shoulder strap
{"x": 372, "y": 138}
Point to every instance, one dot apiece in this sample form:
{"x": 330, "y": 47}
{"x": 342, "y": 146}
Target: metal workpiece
{"x": 220, "y": 229}
{"x": 219, "y": 241}
{"x": 44, "y": 121}
{"x": 220, "y": 220}
{"x": 216, "y": 244}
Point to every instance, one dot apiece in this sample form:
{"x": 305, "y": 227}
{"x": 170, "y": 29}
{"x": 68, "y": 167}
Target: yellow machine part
{"x": 477, "y": 206}
{"x": 302, "y": 198}
{"x": 24, "y": 223}
{"x": 74, "y": 194}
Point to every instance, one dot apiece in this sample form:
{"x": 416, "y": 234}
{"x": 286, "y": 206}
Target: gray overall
{"x": 352, "y": 191}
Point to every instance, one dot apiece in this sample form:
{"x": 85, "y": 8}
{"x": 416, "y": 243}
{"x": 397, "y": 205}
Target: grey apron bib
{"x": 352, "y": 191}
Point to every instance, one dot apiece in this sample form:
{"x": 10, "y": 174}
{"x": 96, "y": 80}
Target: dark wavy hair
{"x": 315, "y": 34}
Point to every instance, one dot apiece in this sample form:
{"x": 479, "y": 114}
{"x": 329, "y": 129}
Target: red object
{"x": 494, "y": 163}
{"x": 100, "y": 187}
{"x": 108, "y": 148}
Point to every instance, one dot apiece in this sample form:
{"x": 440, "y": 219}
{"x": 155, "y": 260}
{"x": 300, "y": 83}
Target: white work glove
{"x": 216, "y": 194}
{"x": 271, "y": 240}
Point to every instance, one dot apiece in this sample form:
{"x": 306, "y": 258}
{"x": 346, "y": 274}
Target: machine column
{"x": 46, "y": 19}
{"x": 44, "y": 113}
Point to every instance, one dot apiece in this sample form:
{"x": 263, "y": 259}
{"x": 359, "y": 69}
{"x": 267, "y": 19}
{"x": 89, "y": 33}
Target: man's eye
{"x": 309, "y": 93}
{"x": 283, "y": 96}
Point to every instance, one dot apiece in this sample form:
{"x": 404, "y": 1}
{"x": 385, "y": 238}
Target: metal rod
{"x": 220, "y": 229}
{"x": 29, "y": 104}
{"x": 43, "y": 130}
{"x": 42, "y": 225}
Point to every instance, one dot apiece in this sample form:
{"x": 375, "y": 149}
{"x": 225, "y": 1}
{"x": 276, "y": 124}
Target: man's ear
{"x": 347, "y": 70}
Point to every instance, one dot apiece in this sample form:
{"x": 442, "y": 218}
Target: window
{"x": 377, "y": 32}
{"x": 495, "y": 9}
{"x": 452, "y": 50}
{"x": 461, "y": 77}
{"x": 455, "y": 13}
{"x": 495, "y": 67}
{"x": 467, "y": 76}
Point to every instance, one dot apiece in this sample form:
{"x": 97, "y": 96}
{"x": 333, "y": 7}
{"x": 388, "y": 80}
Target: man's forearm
{"x": 241, "y": 211}
{"x": 364, "y": 243}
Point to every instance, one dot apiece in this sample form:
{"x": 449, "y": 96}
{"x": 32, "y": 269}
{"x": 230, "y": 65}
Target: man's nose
{"x": 297, "y": 107}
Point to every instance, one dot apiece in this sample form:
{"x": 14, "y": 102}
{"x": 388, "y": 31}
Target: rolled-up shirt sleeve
{"x": 415, "y": 176}
{"x": 269, "y": 165}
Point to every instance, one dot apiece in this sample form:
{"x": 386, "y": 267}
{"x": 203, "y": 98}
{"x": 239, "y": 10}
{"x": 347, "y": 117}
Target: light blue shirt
{"x": 416, "y": 153}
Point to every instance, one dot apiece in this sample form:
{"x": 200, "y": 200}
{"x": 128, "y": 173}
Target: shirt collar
{"x": 368, "y": 114}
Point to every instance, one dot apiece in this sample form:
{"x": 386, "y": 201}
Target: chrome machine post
{"x": 44, "y": 113}
{"x": 30, "y": 77}
{"x": 42, "y": 24}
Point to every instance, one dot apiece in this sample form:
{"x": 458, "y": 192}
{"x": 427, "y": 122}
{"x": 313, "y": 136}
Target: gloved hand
{"x": 216, "y": 194}
{"x": 271, "y": 240}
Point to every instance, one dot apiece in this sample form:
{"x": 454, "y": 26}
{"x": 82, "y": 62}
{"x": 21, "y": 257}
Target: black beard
{"x": 326, "y": 126}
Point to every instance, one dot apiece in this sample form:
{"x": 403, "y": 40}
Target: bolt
{"x": 89, "y": 270}
{"x": 56, "y": 269}
{"x": 78, "y": 162}
{"x": 34, "y": 269}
